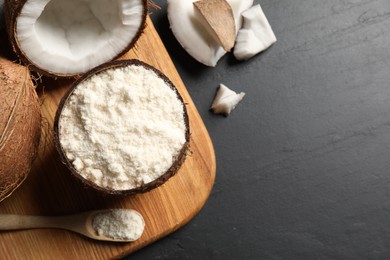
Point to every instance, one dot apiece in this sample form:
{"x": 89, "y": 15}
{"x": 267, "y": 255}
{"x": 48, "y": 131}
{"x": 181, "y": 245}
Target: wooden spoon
{"x": 81, "y": 223}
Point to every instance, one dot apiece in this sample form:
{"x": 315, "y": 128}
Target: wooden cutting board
{"x": 50, "y": 190}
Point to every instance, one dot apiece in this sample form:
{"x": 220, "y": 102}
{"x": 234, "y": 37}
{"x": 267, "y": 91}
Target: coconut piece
{"x": 255, "y": 36}
{"x": 238, "y": 6}
{"x": 145, "y": 111}
{"x": 67, "y": 38}
{"x": 20, "y": 123}
{"x": 218, "y": 14}
{"x": 193, "y": 33}
{"x": 226, "y": 100}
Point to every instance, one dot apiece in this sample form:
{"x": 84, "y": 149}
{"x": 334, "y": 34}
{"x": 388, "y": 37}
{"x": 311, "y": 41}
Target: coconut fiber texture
{"x": 20, "y": 121}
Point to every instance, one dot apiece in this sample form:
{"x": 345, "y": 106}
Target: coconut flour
{"x": 119, "y": 224}
{"x": 123, "y": 127}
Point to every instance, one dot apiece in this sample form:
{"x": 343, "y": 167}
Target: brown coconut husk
{"x": 20, "y": 125}
{"x": 219, "y": 16}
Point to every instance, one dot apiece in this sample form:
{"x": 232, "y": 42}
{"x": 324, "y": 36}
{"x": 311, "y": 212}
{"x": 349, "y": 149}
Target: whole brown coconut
{"x": 178, "y": 160}
{"x": 20, "y": 121}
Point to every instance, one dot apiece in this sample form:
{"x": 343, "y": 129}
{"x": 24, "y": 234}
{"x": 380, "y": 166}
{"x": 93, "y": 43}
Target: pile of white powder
{"x": 123, "y": 127}
{"x": 119, "y": 224}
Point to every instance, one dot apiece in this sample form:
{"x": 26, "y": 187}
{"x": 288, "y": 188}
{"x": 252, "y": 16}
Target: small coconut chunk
{"x": 226, "y": 100}
{"x": 193, "y": 33}
{"x": 255, "y": 36}
{"x": 247, "y": 45}
{"x": 218, "y": 14}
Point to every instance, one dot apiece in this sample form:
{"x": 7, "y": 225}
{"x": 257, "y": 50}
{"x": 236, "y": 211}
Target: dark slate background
{"x": 303, "y": 163}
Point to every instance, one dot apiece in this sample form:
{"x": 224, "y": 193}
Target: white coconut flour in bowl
{"x": 123, "y": 127}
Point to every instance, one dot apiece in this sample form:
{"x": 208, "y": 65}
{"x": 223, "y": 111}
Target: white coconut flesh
{"x": 256, "y": 34}
{"x": 191, "y": 30}
{"x": 73, "y": 36}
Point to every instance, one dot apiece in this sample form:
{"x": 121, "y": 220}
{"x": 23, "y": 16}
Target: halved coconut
{"x": 122, "y": 128}
{"x": 194, "y": 34}
{"x": 66, "y": 38}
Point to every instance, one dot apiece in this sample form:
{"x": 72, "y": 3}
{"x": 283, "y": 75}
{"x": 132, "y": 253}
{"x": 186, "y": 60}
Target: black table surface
{"x": 303, "y": 162}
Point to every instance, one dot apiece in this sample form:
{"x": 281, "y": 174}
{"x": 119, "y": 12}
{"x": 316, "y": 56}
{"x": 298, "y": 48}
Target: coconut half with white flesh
{"x": 192, "y": 31}
{"x": 67, "y": 38}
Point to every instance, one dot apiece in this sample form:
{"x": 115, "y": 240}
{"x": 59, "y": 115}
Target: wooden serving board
{"x": 51, "y": 190}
